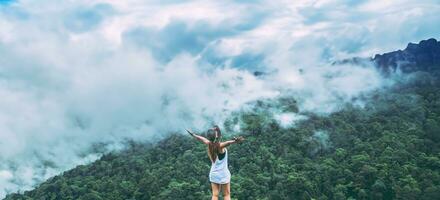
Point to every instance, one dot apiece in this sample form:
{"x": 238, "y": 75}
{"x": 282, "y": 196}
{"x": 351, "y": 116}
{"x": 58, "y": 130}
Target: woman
{"x": 219, "y": 175}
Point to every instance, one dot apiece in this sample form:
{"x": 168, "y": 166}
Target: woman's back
{"x": 219, "y": 172}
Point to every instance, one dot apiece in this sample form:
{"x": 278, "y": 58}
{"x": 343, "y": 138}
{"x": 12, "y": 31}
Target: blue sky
{"x": 74, "y": 73}
{"x": 5, "y": 2}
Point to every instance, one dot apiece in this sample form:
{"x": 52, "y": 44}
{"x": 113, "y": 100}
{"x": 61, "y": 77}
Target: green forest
{"x": 387, "y": 149}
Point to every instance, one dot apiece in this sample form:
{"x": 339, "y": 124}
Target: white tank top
{"x": 220, "y": 165}
{"x": 219, "y": 172}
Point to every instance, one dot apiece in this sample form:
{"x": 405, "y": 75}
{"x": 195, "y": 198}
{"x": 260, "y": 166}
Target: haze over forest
{"x": 80, "y": 79}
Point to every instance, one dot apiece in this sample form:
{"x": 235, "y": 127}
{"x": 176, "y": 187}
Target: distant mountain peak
{"x": 424, "y": 56}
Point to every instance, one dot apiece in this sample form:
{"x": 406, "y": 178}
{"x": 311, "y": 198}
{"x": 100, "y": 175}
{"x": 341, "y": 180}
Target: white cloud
{"x": 71, "y": 75}
{"x": 288, "y": 119}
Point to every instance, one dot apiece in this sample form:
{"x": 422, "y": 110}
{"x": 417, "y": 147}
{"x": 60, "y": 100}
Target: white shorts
{"x": 220, "y": 177}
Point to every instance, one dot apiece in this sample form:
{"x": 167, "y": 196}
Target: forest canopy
{"x": 387, "y": 149}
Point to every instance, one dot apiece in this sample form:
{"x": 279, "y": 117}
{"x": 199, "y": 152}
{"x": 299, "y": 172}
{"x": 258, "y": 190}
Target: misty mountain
{"x": 422, "y": 56}
{"x": 389, "y": 148}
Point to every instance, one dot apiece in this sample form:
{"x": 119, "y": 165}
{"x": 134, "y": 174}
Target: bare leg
{"x": 215, "y": 191}
{"x": 226, "y": 191}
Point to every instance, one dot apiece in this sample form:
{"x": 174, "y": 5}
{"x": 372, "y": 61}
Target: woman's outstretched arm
{"x": 233, "y": 141}
{"x": 198, "y": 137}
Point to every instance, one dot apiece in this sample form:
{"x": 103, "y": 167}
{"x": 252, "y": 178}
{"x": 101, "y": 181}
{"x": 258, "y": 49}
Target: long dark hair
{"x": 214, "y": 136}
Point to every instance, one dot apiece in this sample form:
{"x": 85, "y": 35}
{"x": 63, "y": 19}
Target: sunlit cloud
{"x": 77, "y": 73}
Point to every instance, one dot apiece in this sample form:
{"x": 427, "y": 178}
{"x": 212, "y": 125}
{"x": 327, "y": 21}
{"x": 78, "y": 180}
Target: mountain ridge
{"x": 423, "y": 56}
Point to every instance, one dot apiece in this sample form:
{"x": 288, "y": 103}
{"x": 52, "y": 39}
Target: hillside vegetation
{"x": 388, "y": 149}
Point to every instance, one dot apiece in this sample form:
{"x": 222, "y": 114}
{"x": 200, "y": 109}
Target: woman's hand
{"x": 192, "y": 134}
{"x": 238, "y": 139}
{"x": 198, "y": 137}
